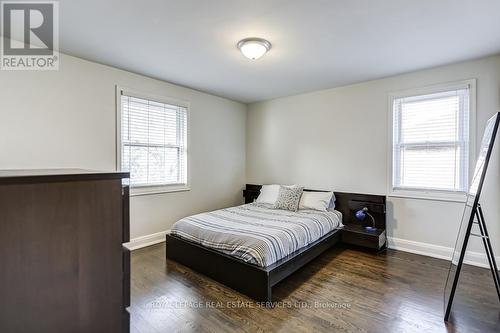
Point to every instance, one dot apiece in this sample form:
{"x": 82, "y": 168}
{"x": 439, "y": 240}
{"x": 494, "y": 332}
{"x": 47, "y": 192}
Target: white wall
{"x": 337, "y": 139}
{"x": 334, "y": 138}
{"x": 66, "y": 118}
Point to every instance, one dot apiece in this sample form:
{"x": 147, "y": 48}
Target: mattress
{"x": 256, "y": 233}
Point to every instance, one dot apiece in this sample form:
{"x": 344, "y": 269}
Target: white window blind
{"x": 431, "y": 141}
{"x": 153, "y": 142}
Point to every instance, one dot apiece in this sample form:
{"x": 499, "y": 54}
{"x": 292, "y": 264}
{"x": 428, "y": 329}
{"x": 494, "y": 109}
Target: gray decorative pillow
{"x": 289, "y": 198}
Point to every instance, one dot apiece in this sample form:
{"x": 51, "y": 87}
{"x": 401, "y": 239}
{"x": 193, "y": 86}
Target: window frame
{"x": 432, "y": 194}
{"x": 150, "y": 188}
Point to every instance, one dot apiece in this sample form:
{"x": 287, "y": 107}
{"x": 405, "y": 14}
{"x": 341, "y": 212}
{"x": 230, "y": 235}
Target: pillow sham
{"x": 289, "y": 198}
{"x": 316, "y": 200}
{"x": 331, "y": 206}
{"x": 268, "y": 194}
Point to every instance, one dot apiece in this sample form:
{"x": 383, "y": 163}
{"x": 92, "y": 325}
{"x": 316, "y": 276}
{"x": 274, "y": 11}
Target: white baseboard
{"x": 436, "y": 251}
{"x": 148, "y": 240}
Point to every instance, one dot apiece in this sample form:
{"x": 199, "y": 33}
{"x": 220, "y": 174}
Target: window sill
{"x": 431, "y": 195}
{"x": 150, "y": 190}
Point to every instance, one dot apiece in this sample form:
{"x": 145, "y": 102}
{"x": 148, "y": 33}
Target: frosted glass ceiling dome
{"x": 254, "y": 48}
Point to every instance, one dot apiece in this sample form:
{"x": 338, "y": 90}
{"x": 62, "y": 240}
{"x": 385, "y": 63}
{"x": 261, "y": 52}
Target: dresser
{"x": 63, "y": 267}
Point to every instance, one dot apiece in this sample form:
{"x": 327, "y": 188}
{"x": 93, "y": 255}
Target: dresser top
{"x": 20, "y": 176}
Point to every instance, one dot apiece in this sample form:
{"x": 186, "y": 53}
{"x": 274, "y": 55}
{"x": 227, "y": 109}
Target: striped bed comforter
{"x": 256, "y": 233}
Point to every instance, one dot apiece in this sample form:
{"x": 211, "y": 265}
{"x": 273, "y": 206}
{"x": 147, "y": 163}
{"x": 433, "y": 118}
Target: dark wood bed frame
{"x": 255, "y": 281}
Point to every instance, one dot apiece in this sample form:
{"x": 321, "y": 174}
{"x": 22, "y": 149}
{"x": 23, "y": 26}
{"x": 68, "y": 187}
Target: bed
{"x": 256, "y": 233}
{"x": 252, "y": 247}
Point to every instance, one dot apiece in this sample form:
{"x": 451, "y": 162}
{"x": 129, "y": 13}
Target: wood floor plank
{"x": 343, "y": 290}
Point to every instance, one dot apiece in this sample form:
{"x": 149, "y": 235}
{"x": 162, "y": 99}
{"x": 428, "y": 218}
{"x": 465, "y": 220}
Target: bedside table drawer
{"x": 364, "y": 239}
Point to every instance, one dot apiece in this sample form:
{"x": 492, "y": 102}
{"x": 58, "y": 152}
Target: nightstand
{"x": 358, "y": 235}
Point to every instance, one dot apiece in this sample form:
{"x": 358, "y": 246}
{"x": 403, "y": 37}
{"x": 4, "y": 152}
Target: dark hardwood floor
{"x": 343, "y": 290}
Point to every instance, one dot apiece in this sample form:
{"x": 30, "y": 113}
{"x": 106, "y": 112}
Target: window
{"x": 153, "y": 142}
{"x": 430, "y": 141}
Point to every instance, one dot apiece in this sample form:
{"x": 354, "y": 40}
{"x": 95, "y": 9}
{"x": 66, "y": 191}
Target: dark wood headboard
{"x": 346, "y": 203}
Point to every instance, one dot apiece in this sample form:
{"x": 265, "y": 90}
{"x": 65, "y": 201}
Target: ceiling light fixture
{"x": 254, "y": 48}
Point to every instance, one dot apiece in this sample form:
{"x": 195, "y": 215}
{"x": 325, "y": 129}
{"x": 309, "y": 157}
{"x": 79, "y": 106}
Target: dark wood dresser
{"x": 63, "y": 267}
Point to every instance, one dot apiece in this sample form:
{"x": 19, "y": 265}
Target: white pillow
{"x": 315, "y": 200}
{"x": 268, "y": 194}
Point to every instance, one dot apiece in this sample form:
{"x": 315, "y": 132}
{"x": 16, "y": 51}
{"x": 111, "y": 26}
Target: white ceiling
{"x": 317, "y": 44}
